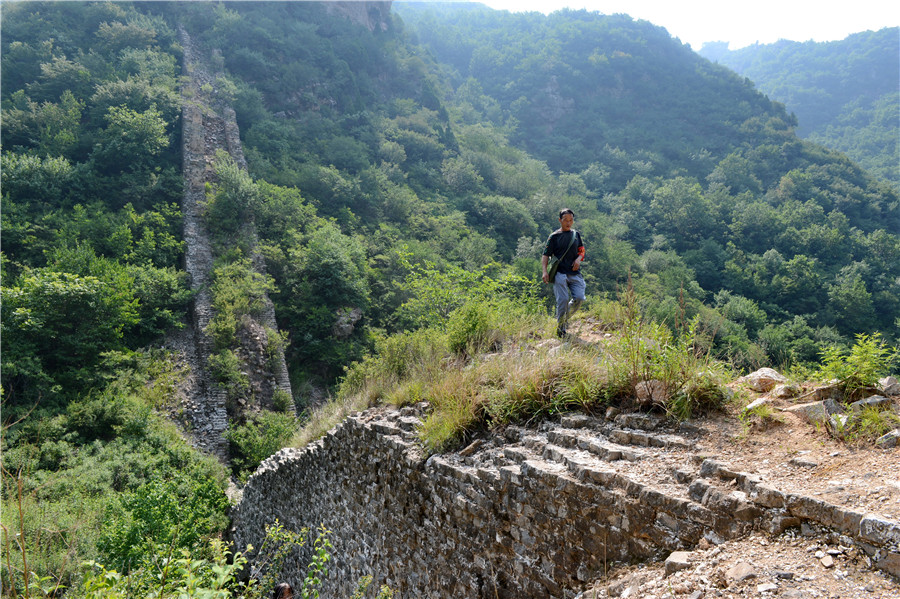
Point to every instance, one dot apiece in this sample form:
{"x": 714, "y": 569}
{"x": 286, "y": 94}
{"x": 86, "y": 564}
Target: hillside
{"x": 230, "y": 215}
{"x": 844, "y": 93}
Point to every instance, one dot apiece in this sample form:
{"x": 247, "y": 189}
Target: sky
{"x": 741, "y": 23}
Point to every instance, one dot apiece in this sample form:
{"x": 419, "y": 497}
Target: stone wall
{"x": 208, "y": 126}
{"x": 531, "y": 514}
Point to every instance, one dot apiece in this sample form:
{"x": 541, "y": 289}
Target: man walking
{"x": 565, "y": 245}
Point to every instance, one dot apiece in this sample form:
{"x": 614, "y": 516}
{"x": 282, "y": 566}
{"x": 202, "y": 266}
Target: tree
{"x": 131, "y": 140}
{"x": 57, "y": 324}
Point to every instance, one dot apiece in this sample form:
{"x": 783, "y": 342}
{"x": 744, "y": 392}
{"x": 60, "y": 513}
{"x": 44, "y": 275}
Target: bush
{"x": 234, "y": 198}
{"x": 226, "y": 369}
{"x": 469, "y": 329}
{"x": 181, "y": 512}
{"x": 858, "y": 371}
{"x": 648, "y": 351}
{"x": 262, "y": 435}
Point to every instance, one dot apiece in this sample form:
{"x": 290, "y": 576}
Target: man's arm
{"x": 579, "y": 258}
{"x": 545, "y": 276}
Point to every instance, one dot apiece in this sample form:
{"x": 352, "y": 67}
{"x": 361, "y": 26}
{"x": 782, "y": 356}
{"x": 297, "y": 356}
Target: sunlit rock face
{"x": 371, "y": 15}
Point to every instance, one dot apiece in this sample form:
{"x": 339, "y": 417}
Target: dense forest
{"x": 846, "y": 94}
{"x": 394, "y": 172}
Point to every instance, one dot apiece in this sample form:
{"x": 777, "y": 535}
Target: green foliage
{"x": 262, "y": 435}
{"x": 381, "y": 188}
{"x": 857, "y": 372}
{"x": 281, "y": 400}
{"x": 212, "y": 572}
{"x": 675, "y": 368}
{"x": 45, "y": 343}
{"x": 396, "y": 358}
{"x": 433, "y": 293}
{"x": 850, "y": 105}
{"x": 865, "y": 426}
{"x": 469, "y": 329}
{"x": 178, "y": 513}
{"x": 65, "y": 467}
{"x": 180, "y": 574}
{"x": 131, "y": 139}
{"x": 234, "y": 198}
{"x": 237, "y": 291}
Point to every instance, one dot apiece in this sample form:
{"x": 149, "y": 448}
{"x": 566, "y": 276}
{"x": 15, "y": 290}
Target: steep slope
{"x": 576, "y": 84}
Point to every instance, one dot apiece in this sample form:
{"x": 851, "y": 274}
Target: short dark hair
{"x": 282, "y": 591}
{"x": 566, "y": 211}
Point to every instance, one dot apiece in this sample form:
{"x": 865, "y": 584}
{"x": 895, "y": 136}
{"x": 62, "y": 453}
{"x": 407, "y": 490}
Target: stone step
{"x": 645, "y": 439}
{"x": 594, "y": 443}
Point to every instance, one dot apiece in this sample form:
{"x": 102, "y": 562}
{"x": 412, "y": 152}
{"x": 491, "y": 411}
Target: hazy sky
{"x": 739, "y": 23}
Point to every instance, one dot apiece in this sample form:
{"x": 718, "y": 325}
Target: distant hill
{"x": 846, "y": 94}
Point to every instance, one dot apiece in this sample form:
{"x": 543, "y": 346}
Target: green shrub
{"x": 857, "y": 372}
{"x": 214, "y": 574}
{"x": 66, "y": 471}
{"x": 237, "y": 291}
{"x": 469, "y": 329}
{"x": 181, "y": 512}
{"x": 648, "y": 351}
{"x": 396, "y": 358}
{"x": 259, "y": 437}
{"x": 281, "y": 400}
{"x": 226, "y": 369}
{"x": 233, "y": 199}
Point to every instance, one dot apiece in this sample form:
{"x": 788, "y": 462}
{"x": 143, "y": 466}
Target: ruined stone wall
{"x": 207, "y": 127}
{"x": 532, "y": 514}
{"x": 204, "y": 408}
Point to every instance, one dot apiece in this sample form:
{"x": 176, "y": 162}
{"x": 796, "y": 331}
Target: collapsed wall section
{"x": 535, "y": 516}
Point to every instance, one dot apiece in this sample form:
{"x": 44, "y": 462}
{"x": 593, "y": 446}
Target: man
{"x": 565, "y": 244}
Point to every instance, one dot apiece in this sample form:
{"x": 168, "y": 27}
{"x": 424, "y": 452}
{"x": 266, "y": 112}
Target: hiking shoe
{"x": 562, "y": 333}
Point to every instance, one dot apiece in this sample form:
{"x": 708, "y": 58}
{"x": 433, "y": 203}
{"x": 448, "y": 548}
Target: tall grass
{"x": 492, "y": 364}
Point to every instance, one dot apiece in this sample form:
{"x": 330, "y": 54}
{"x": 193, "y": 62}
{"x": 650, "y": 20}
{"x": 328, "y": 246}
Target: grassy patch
{"x": 492, "y": 365}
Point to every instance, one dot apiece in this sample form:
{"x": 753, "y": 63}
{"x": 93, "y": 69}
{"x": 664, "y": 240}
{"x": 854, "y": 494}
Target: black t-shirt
{"x": 557, "y": 243}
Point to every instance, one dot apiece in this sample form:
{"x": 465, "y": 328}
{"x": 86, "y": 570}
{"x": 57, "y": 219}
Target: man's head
{"x": 566, "y": 219}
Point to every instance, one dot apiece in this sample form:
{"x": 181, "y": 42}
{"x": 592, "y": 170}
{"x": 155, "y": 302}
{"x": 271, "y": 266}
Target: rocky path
{"x": 770, "y": 528}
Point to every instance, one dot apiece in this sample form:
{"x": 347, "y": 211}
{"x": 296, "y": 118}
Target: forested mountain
{"x": 846, "y": 94}
{"x": 399, "y": 163}
{"x": 737, "y": 209}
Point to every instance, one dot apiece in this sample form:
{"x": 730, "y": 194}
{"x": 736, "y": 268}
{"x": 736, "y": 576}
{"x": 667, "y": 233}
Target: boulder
{"x": 817, "y": 411}
{"x": 888, "y": 440}
{"x": 785, "y": 391}
{"x": 678, "y": 560}
{"x": 763, "y": 379}
{"x": 889, "y": 385}
{"x": 345, "y": 321}
{"x": 874, "y": 401}
{"x": 648, "y": 392}
{"x": 740, "y": 572}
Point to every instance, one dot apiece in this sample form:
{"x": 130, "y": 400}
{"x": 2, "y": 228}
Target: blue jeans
{"x": 562, "y": 285}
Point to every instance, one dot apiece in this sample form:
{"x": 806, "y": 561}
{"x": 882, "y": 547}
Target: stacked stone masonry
{"x": 206, "y": 128}
{"x": 531, "y": 514}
